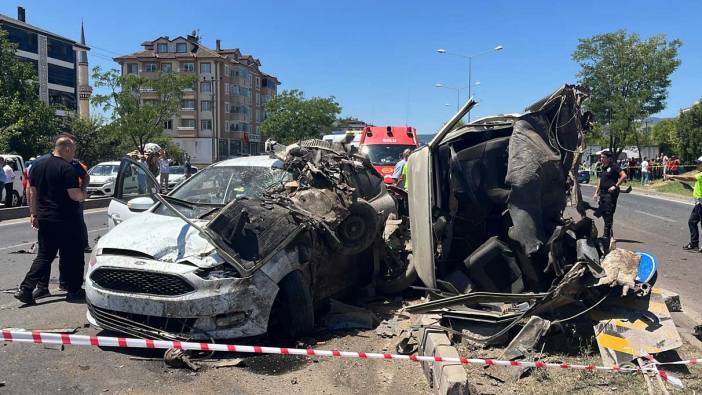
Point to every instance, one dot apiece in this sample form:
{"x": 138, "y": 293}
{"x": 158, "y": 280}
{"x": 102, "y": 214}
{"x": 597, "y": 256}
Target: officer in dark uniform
{"x": 607, "y": 191}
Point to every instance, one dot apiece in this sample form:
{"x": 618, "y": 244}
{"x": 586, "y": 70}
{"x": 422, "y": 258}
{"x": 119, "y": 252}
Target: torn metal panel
{"x": 632, "y": 327}
{"x": 474, "y": 298}
{"x": 524, "y": 343}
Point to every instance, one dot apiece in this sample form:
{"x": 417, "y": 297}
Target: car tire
{"x": 16, "y": 200}
{"x": 292, "y": 315}
{"x": 400, "y": 282}
{"x": 357, "y": 231}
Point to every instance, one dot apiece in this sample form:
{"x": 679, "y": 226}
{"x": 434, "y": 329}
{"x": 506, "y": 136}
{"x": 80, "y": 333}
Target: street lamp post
{"x": 458, "y": 91}
{"x": 442, "y": 51}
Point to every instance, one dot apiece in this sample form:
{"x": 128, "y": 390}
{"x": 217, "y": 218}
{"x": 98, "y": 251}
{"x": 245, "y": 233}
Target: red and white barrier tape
{"x": 38, "y": 337}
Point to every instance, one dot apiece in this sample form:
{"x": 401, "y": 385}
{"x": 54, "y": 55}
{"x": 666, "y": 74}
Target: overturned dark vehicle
{"x": 238, "y": 261}
{"x": 491, "y": 237}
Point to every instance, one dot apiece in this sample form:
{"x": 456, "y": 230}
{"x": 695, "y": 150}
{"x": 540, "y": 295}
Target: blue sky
{"x": 378, "y": 58}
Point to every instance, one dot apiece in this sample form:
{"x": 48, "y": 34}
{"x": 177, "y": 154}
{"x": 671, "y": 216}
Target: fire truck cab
{"x": 384, "y": 146}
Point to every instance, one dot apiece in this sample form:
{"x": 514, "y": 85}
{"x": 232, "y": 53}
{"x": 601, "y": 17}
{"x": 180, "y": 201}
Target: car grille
{"x": 144, "y": 326}
{"x": 138, "y": 281}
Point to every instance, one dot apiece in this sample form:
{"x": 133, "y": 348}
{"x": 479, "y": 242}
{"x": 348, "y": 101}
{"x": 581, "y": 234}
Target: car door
{"x": 134, "y": 189}
{"x": 422, "y": 192}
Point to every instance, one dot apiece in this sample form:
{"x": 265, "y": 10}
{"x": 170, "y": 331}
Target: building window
{"x": 258, "y": 82}
{"x": 187, "y": 123}
{"x": 62, "y": 76}
{"x": 226, "y": 125}
{"x": 150, "y": 67}
{"x": 188, "y": 104}
{"x": 132, "y": 68}
{"x": 162, "y": 48}
{"x": 206, "y": 105}
{"x": 181, "y": 47}
{"x": 205, "y": 68}
{"x": 168, "y": 125}
{"x": 26, "y": 41}
{"x": 60, "y": 50}
{"x": 64, "y": 100}
{"x": 258, "y": 99}
{"x": 166, "y": 67}
{"x": 206, "y": 124}
{"x": 188, "y": 67}
{"x": 150, "y": 102}
{"x": 227, "y": 108}
{"x": 205, "y": 87}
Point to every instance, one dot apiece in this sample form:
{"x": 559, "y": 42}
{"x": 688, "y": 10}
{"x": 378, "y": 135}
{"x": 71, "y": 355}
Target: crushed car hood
{"x": 163, "y": 238}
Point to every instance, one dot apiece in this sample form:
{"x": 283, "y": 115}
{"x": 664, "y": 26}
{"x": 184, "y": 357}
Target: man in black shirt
{"x": 608, "y": 191}
{"x": 55, "y": 213}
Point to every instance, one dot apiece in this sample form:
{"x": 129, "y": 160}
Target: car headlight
{"x": 93, "y": 257}
{"x": 217, "y": 273}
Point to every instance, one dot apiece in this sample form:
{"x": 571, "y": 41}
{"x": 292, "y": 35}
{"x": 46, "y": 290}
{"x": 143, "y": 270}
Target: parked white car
{"x": 177, "y": 175}
{"x": 102, "y": 179}
{"x": 18, "y": 193}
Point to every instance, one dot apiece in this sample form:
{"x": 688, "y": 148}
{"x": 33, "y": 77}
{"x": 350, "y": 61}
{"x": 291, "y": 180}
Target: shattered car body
{"x": 250, "y": 264}
{"x": 490, "y": 236}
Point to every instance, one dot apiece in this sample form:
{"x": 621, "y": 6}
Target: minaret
{"x": 84, "y": 89}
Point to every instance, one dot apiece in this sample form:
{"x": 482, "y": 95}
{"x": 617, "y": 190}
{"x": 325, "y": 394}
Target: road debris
{"x": 343, "y": 316}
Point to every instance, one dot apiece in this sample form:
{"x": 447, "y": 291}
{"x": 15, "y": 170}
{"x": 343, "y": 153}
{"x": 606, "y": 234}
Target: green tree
{"x": 628, "y": 78}
{"x": 665, "y": 135}
{"x": 290, "y": 117}
{"x": 27, "y": 125}
{"x": 94, "y": 141}
{"x": 140, "y": 105}
{"x": 690, "y": 133}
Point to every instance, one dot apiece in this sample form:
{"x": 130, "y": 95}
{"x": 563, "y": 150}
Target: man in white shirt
{"x": 645, "y": 175}
{"x": 164, "y": 170}
{"x": 9, "y": 178}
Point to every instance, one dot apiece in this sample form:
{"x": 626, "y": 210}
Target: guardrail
{"x": 23, "y": 212}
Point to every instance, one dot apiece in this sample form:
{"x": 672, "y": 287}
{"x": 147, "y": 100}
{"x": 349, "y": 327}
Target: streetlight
{"x": 457, "y": 89}
{"x": 442, "y": 51}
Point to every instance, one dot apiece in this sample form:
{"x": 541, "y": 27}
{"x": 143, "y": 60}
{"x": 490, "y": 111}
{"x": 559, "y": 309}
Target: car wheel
{"x": 399, "y": 281}
{"x": 16, "y": 199}
{"x": 358, "y": 231}
{"x": 292, "y": 315}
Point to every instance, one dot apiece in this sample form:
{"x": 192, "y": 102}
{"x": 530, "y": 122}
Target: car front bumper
{"x": 214, "y": 309}
{"x": 106, "y": 189}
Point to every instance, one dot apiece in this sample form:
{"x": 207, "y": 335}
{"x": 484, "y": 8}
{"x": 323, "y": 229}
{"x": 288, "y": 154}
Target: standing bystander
{"x": 399, "y": 166}
{"x": 645, "y": 175}
{"x": 696, "y": 215}
{"x": 607, "y": 192}
{"x": 9, "y": 178}
{"x": 164, "y": 170}
{"x": 54, "y": 212}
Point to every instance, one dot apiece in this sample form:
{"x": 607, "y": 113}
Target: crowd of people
{"x": 647, "y": 169}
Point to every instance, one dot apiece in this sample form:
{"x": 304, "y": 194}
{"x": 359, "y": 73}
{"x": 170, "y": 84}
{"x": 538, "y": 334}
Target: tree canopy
{"x": 27, "y": 124}
{"x": 628, "y": 78}
{"x": 290, "y": 117}
{"x": 140, "y": 105}
{"x": 689, "y": 126}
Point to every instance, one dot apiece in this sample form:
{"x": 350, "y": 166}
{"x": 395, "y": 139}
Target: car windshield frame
{"x": 216, "y": 186}
{"x": 380, "y": 154}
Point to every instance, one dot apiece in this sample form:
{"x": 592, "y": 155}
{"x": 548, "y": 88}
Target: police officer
{"x": 607, "y": 191}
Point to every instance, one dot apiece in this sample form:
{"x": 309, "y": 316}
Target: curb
{"x": 23, "y": 212}
{"x": 445, "y": 378}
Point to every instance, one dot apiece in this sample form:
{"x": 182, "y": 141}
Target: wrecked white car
{"x": 234, "y": 253}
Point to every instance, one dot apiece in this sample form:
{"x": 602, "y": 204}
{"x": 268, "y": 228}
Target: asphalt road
{"x": 34, "y": 369}
{"x": 659, "y": 226}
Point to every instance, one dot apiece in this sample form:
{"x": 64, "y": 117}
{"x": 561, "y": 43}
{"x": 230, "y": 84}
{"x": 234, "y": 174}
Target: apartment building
{"x": 220, "y": 117}
{"x": 61, "y": 64}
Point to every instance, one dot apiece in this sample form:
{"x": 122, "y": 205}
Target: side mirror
{"x": 140, "y": 204}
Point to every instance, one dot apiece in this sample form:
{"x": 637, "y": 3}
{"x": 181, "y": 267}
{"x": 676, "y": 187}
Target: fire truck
{"x": 384, "y": 145}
